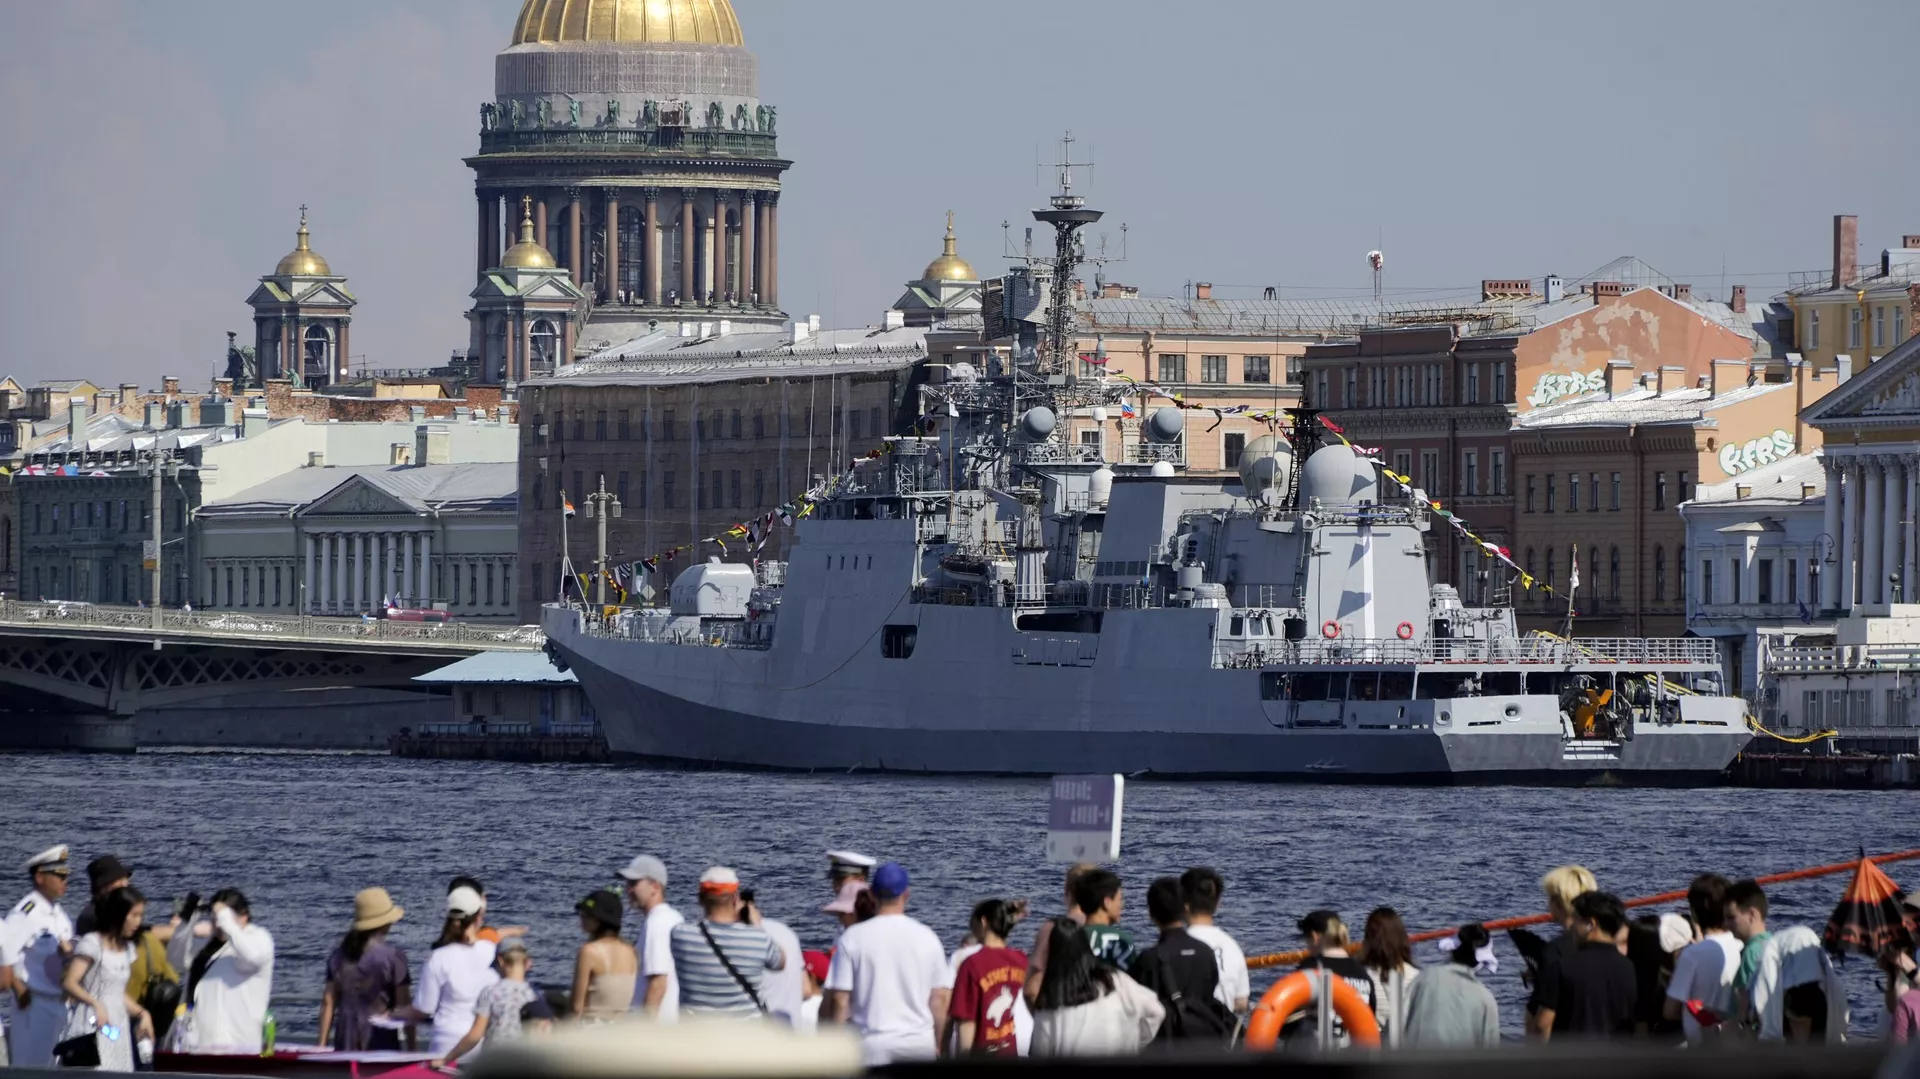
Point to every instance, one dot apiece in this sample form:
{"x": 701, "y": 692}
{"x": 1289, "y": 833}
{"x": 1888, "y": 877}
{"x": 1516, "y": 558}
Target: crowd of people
{"x": 103, "y": 989}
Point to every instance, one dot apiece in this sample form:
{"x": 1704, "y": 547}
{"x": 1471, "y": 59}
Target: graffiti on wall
{"x": 1553, "y": 386}
{"x": 1736, "y": 458}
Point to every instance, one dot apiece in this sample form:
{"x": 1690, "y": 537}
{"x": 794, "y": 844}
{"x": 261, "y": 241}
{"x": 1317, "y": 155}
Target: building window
{"x": 839, "y": 418}
{"x": 1686, "y": 487}
{"x": 625, "y": 430}
{"x": 759, "y": 424}
{"x": 1813, "y": 329}
{"x": 1706, "y": 581}
{"x": 1659, "y": 490}
{"x": 717, "y": 480}
{"x": 1613, "y": 573}
{"x": 1296, "y": 370}
{"x": 1320, "y": 389}
{"x": 473, "y": 585}
{"x": 1879, "y": 327}
{"x": 733, "y": 424}
{"x": 1497, "y": 472}
{"x": 600, "y": 425}
{"x": 579, "y": 486}
{"x": 642, "y": 503}
{"x": 666, "y": 426}
{"x": 1573, "y": 492}
{"x": 1499, "y": 382}
{"x": 489, "y": 584}
{"x": 1613, "y": 496}
{"x": 276, "y": 586}
{"x": 1470, "y": 473}
{"x": 733, "y": 484}
{"x": 1256, "y": 369}
{"x": 1213, "y": 368}
{"x": 539, "y": 491}
{"x": 1853, "y": 327}
{"x": 246, "y": 586}
{"x": 1680, "y": 568}
{"x": 1550, "y": 493}
{"x": 1173, "y": 368}
{"x": 1530, "y": 493}
{"x": 1793, "y": 580}
{"x": 1096, "y": 438}
{"x": 666, "y": 491}
{"x": 1899, "y": 324}
{"x": 229, "y": 602}
{"x": 620, "y": 487}
{"x": 579, "y": 425}
{"x": 1530, "y": 562}
{"x": 1403, "y": 462}
{"x": 1233, "y": 444}
{"x": 1763, "y": 583}
{"x": 1430, "y": 470}
{"x": 1552, "y": 580}
{"x": 854, "y": 424}
{"x": 1733, "y": 580}
{"x": 1472, "y": 396}
{"x": 759, "y": 488}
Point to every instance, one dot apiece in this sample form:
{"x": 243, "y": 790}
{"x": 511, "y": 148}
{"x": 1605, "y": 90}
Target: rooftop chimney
{"x": 894, "y": 319}
{"x": 1739, "y": 300}
{"x": 170, "y": 385}
{"x": 254, "y": 422}
{"x": 1910, "y": 243}
{"x": 1606, "y": 290}
{"x": 128, "y": 392}
{"x": 432, "y": 445}
{"x": 399, "y": 453}
{"x": 1555, "y": 288}
{"x": 223, "y": 387}
{"x": 1846, "y": 242}
{"x": 1806, "y": 490}
{"x": 813, "y": 323}
{"x": 316, "y": 459}
{"x": 156, "y": 415}
{"x": 1615, "y": 371}
{"x": 1682, "y": 293}
{"x": 1203, "y": 290}
{"x": 77, "y": 413}
{"x": 1497, "y": 288}
{"x": 1843, "y": 368}
{"x": 1661, "y": 378}
{"x": 799, "y": 332}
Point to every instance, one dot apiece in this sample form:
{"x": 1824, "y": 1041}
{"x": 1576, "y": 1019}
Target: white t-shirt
{"x": 656, "y": 958}
{"x": 1704, "y": 971}
{"x": 781, "y": 989}
{"x": 891, "y": 965}
{"x": 1022, "y": 1016}
{"x": 1235, "y": 984}
{"x": 450, "y": 983}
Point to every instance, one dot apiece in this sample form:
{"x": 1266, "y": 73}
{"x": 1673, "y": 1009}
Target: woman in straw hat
{"x": 367, "y": 980}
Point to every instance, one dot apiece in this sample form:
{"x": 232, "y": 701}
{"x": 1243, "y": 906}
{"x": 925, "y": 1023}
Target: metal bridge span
{"x": 73, "y": 674}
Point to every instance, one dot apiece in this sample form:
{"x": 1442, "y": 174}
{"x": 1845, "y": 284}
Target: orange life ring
{"x": 1405, "y": 631}
{"x": 1295, "y": 992}
{"x": 1329, "y": 629}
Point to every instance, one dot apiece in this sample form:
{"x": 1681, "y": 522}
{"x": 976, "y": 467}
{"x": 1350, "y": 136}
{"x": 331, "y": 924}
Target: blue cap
{"x": 890, "y": 881}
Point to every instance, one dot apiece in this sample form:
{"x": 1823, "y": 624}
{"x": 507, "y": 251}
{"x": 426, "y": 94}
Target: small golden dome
{"x": 527, "y": 254}
{"x": 949, "y": 266}
{"x": 302, "y": 261}
{"x": 634, "y": 22}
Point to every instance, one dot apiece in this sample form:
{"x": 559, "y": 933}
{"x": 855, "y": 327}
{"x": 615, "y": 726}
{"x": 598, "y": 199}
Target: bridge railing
{"x": 244, "y": 625}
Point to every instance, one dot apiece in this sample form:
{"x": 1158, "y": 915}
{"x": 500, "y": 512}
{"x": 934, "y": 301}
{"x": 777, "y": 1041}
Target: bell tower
{"x": 301, "y": 312}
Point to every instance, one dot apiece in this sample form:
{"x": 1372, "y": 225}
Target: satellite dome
{"x": 1100, "y": 486}
{"x": 1337, "y": 474}
{"x": 1037, "y": 423}
{"x": 1161, "y": 469}
{"x": 1266, "y": 464}
{"x": 1164, "y": 425}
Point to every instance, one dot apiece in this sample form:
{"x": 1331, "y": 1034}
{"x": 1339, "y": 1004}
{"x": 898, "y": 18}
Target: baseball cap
{"x": 646, "y": 867}
{"x": 510, "y": 946}
{"x": 843, "y": 903}
{"x": 817, "y": 964}
{"x": 464, "y": 901}
{"x": 603, "y": 905}
{"x": 104, "y": 869}
{"x": 719, "y": 881}
{"x": 890, "y": 881}
{"x": 1317, "y": 921}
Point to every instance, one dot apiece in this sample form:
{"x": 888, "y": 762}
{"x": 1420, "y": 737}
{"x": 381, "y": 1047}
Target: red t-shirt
{"x": 985, "y": 989}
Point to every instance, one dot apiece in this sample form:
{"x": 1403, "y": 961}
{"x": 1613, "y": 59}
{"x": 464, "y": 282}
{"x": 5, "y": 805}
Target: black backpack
{"x": 1183, "y": 973}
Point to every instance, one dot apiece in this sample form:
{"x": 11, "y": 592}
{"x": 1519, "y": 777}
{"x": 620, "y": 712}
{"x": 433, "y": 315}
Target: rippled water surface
{"x": 301, "y": 833}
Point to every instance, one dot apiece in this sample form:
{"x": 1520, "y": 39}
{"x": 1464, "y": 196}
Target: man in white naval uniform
{"x": 35, "y": 943}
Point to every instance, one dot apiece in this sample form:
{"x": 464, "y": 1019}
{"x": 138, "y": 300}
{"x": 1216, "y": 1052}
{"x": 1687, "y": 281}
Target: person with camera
{"x": 229, "y": 963}
{"x": 34, "y": 944}
{"x": 720, "y": 960}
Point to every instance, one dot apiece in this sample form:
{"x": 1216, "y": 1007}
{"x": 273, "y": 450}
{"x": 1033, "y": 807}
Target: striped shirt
{"x": 705, "y": 985}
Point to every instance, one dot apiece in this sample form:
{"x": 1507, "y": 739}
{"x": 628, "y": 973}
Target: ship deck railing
{"x": 1660, "y": 652}
{"x": 750, "y": 635}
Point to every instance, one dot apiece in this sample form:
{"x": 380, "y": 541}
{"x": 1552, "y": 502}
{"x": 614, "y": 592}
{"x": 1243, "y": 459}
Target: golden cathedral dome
{"x": 949, "y": 266}
{"x": 637, "y": 22}
{"x": 302, "y": 261}
{"x": 527, "y": 254}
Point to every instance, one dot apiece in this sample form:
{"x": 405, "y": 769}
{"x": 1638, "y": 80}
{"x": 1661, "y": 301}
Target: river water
{"x": 300, "y": 833}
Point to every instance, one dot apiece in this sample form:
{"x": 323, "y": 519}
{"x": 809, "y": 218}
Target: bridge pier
{"x": 78, "y": 732}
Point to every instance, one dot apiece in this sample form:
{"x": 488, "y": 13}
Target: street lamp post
{"x": 155, "y": 464}
{"x": 601, "y": 505}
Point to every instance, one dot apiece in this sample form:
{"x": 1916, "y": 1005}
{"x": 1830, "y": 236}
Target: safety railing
{"x": 1814, "y": 659}
{"x": 654, "y": 628}
{"x": 1665, "y": 653}
{"x": 75, "y": 615}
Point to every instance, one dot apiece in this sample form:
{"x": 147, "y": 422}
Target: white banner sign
{"x": 1083, "y": 818}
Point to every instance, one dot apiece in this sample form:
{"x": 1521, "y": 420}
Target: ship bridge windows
{"x": 1059, "y": 622}
{"x": 1317, "y": 686}
{"x": 1501, "y": 683}
{"x": 1396, "y": 685}
{"x": 1440, "y": 686}
{"x": 1254, "y": 625}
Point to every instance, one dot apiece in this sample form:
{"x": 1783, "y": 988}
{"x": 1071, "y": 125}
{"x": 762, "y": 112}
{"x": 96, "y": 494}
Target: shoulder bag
{"x": 728, "y": 963}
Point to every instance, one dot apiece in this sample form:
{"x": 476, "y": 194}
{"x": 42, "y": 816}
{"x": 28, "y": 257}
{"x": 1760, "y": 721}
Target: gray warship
{"x": 994, "y": 597}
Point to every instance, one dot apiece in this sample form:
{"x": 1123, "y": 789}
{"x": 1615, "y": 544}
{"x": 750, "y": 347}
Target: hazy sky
{"x": 156, "y": 153}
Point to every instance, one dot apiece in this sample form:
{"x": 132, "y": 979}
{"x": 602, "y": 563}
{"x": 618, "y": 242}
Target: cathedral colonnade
{"x": 655, "y": 246}
{"x": 346, "y": 572}
{"x": 1871, "y": 506}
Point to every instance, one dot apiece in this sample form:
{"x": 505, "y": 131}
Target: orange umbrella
{"x": 1871, "y": 914}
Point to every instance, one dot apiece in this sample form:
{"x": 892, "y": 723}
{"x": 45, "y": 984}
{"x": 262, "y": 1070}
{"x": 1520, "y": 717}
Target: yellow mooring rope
{"x": 1797, "y": 741}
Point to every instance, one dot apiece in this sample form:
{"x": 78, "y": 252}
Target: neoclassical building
{"x": 1871, "y": 426}
{"x": 635, "y": 127}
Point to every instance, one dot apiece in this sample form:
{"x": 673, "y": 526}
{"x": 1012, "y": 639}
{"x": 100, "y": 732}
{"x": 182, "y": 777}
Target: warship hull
{"x": 724, "y": 707}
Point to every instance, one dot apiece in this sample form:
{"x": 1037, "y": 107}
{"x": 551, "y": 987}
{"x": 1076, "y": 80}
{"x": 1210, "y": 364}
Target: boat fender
{"x": 1329, "y": 629}
{"x": 1405, "y": 631}
{"x": 1295, "y": 992}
